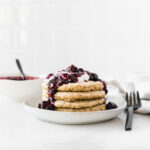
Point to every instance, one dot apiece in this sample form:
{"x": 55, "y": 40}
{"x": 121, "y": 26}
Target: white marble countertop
{"x": 19, "y": 131}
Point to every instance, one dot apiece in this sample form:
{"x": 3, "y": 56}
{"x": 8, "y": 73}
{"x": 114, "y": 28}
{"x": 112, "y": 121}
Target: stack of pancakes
{"x": 78, "y": 97}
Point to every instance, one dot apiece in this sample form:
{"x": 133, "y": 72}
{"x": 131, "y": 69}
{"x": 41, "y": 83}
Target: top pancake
{"x": 79, "y": 86}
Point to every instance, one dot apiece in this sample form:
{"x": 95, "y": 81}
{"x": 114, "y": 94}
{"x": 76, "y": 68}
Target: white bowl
{"x": 19, "y": 90}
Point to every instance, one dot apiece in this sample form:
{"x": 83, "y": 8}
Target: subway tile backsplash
{"x": 50, "y": 34}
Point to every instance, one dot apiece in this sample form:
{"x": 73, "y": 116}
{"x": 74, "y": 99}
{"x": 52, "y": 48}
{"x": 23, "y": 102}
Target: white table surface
{"x": 19, "y": 131}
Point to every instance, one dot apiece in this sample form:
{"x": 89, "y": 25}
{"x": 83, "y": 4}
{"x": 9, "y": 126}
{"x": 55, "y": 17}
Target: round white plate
{"x": 74, "y": 117}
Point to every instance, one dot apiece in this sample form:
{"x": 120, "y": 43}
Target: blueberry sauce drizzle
{"x": 70, "y": 75}
{"x": 18, "y": 78}
{"x": 111, "y": 105}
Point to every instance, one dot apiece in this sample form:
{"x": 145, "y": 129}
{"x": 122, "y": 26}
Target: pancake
{"x": 72, "y": 96}
{"x": 94, "y": 108}
{"x": 73, "y": 90}
{"x": 79, "y": 86}
{"x": 79, "y": 103}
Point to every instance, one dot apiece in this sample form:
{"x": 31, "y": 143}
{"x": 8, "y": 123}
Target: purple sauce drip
{"x": 70, "y": 75}
{"x": 111, "y": 105}
{"x": 18, "y": 78}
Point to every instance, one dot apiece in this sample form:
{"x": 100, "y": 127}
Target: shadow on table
{"x": 115, "y": 122}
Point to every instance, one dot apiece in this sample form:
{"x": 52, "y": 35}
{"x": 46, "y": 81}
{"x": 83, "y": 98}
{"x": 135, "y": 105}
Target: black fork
{"x": 133, "y": 103}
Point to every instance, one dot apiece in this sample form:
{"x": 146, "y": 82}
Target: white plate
{"x": 74, "y": 117}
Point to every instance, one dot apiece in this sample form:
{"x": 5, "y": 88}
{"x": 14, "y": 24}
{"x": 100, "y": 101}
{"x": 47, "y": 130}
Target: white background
{"x": 110, "y": 37}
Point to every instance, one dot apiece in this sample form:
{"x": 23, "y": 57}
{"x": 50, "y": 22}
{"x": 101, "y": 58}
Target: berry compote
{"x": 18, "y": 78}
{"x": 69, "y": 75}
{"x": 111, "y": 105}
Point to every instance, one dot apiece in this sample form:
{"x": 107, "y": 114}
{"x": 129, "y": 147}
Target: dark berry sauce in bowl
{"x": 18, "y": 78}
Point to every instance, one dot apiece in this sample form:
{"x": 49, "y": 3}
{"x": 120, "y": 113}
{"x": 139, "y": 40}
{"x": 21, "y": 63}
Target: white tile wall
{"x": 111, "y": 37}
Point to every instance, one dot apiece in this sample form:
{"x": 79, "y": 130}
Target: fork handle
{"x": 129, "y": 119}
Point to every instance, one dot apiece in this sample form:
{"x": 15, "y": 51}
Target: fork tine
{"x": 134, "y": 99}
{"x": 131, "y": 101}
{"x": 138, "y": 99}
{"x": 127, "y": 97}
